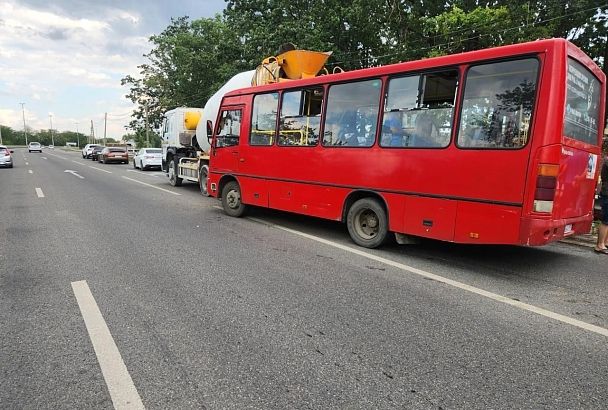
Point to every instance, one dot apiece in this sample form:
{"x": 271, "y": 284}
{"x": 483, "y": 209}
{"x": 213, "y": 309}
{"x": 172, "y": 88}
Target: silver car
{"x": 147, "y": 158}
{"x": 6, "y": 159}
{"x": 88, "y": 150}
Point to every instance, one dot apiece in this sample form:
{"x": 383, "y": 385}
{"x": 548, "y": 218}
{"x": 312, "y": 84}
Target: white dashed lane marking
{"x": 120, "y": 385}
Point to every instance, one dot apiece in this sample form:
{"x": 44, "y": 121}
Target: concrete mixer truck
{"x": 184, "y": 136}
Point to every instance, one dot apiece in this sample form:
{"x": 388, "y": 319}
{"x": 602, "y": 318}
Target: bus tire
{"x": 231, "y": 200}
{"x": 174, "y": 180}
{"x": 367, "y": 223}
{"x": 203, "y": 174}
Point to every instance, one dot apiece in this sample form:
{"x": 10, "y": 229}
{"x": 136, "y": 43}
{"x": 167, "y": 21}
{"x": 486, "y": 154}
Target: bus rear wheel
{"x": 367, "y": 223}
{"x": 231, "y": 200}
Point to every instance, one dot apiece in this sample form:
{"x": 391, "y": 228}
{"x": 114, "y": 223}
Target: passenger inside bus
{"x": 392, "y": 130}
{"x": 425, "y": 133}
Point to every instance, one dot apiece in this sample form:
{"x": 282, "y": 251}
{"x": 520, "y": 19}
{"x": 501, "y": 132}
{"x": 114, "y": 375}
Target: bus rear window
{"x": 581, "y": 120}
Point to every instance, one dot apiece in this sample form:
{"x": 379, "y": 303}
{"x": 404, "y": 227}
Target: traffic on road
{"x": 117, "y": 281}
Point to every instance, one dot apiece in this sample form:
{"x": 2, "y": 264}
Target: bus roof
{"x": 441, "y": 61}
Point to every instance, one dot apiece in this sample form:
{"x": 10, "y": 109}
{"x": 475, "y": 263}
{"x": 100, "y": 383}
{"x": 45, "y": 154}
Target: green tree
{"x": 189, "y": 61}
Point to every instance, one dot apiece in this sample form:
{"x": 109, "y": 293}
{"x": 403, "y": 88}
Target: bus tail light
{"x": 546, "y": 183}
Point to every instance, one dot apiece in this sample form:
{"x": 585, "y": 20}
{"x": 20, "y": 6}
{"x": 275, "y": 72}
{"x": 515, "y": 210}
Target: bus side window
{"x": 229, "y": 128}
{"x": 419, "y": 110}
{"x": 264, "y": 119}
{"x": 352, "y": 114}
{"x": 300, "y": 118}
{"x": 498, "y": 104}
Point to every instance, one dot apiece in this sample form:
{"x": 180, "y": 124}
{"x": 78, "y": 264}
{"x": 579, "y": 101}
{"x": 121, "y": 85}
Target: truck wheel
{"x": 367, "y": 223}
{"x": 203, "y": 174}
{"x": 174, "y": 180}
{"x": 231, "y": 200}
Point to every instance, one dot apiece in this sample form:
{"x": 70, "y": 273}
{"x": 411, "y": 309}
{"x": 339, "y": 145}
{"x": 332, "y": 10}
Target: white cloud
{"x": 69, "y": 56}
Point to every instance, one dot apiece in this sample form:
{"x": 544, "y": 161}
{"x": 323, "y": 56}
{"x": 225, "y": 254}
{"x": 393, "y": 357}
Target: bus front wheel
{"x": 231, "y": 199}
{"x": 367, "y": 223}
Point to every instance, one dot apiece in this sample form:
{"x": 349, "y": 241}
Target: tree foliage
{"x": 191, "y": 59}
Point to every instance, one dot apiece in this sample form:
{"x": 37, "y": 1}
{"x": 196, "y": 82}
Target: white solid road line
{"x": 99, "y": 169}
{"x": 151, "y": 186}
{"x": 120, "y": 385}
{"x": 39, "y": 193}
{"x": 29, "y": 171}
{"x": 143, "y": 173}
{"x": 43, "y": 157}
{"x": 490, "y": 295}
{"x": 58, "y": 156}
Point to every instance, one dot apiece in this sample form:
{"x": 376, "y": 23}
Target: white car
{"x": 88, "y": 150}
{"x": 147, "y": 158}
{"x": 6, "y": 159}
{"x": 34, "y": 146}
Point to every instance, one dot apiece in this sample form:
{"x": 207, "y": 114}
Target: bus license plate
{"x": 568, "y": 229}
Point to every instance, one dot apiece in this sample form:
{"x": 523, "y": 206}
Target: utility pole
{"x": 52, "y": 137}
{"x": 105, "y": 126}
{"x": 92, "y": 135}
{"x": 24, "y": 129}
{"x": 0, "y": 134}
{"x": 146, "y": 116}
{"x": 77, "y": 137}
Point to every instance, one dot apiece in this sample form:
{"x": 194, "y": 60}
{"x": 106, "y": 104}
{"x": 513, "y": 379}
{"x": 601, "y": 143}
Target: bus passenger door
{"x": 225, "y": 149}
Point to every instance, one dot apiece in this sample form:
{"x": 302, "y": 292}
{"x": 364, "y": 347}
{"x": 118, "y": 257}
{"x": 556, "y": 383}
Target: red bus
{"x": 496, "y": 146}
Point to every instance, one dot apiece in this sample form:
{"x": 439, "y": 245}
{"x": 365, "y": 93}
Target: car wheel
{"x": 367, "y": 223}
{"x": 100, "y": 159}
{"x": 203, "y": 175}
{"x": 174, "y": 180}
{"x": 231, "y": 200}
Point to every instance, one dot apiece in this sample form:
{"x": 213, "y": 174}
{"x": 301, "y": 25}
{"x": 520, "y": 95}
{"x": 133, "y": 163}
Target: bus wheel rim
{"x": 233, "y": 199}
{"x": 366, "y": 224}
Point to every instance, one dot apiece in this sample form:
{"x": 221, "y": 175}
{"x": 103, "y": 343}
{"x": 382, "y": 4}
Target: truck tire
{"x": 367, "y": 223}
{"x": 174, "y": 180}
{"x": 231, "y": 200}
{"x": 203, "y": 174}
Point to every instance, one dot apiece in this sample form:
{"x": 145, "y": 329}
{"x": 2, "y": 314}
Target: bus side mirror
{"x": 209, "y": 131}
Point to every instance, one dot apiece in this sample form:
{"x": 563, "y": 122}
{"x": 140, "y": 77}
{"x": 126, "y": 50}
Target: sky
{"x": 65, "y": 58}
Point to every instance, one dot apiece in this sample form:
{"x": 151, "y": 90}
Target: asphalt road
{"x": 208, "y": 311}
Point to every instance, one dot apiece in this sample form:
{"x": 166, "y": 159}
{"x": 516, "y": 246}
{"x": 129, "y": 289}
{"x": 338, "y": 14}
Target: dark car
{"x": 95, "y": 152}
{"x": 113, "y": 154}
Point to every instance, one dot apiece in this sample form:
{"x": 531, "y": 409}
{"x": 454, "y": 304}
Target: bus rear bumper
{"x": 536, "y": 231}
